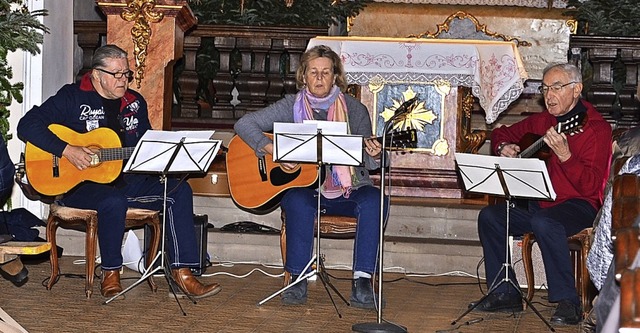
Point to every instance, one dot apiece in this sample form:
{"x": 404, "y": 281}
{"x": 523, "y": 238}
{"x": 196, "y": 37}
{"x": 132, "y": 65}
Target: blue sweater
{"x": 79, "y": 107}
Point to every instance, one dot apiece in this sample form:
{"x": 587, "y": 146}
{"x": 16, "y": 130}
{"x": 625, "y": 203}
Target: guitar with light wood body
{"x": 52, "y": 175}
{"x": 257, "y": 184}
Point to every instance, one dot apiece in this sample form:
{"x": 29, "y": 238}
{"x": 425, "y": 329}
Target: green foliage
{"x": 19, "y": 30}
{"x": 318, "y": 13}
{"x": 606, "y": 17}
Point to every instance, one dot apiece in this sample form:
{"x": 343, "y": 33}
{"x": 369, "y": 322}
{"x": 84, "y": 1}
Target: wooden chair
{"x": 579, "y": 245}
{"x": 331, "y": 226}
{"x": 87, "y": 220}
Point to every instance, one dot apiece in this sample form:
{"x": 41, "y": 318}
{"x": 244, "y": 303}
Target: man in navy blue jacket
{"x": 103, "y": 99}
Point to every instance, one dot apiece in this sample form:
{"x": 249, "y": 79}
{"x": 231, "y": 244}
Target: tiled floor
{"x": 421, "y": 304}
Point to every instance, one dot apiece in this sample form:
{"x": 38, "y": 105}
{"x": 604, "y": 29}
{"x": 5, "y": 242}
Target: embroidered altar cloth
{"x": 492, "y": 69}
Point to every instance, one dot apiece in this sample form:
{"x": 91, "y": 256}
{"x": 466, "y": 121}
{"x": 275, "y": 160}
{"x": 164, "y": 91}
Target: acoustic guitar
{"x": 257, "y": 184}
{"x": 51, "y": 175}
{"x": 535, "y": 145}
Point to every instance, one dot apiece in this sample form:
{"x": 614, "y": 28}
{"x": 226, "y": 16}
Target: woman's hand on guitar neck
{"x": 558, "y": 143}
{"x": 80, "y": 157}
{"x": 287, "y": 166}
{"x": 372, "y": 147}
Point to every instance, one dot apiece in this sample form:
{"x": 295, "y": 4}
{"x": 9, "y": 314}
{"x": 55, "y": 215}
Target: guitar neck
{"x": 537, "y": 145}
{"x": 532, "y": 149}
{"x": 113, "y": 154}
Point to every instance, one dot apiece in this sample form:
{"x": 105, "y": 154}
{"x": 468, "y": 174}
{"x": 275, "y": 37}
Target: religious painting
{"x": 426, "y": 115}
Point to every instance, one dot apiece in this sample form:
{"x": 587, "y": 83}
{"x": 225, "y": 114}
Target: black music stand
{"x": 165, "y": 153}
{"x": 311, "y": 148}
{"x": 510, "y": 178}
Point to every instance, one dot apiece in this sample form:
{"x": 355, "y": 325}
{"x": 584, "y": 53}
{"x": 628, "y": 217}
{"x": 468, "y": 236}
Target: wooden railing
{"x": 255, "y": 66}
{"x": 610, "y": 69}
{"x": 226, "y": 70}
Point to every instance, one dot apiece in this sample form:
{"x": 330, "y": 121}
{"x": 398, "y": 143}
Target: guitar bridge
{"x": 56, "y": 167}
{"x": 262, "y": 169}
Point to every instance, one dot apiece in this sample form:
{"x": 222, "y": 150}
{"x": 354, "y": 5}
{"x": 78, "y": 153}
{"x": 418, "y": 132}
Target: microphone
{"x": 405, "y": 107}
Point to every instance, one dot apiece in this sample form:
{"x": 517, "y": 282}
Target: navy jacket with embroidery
{"x": 79, "y": 107}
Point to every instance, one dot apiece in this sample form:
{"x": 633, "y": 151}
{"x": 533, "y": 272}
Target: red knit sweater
{"x": 584, "y": 175}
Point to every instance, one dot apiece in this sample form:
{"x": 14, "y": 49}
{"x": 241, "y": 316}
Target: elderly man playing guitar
{"x": 102, "y": 101}
{"x": 578, "y": 164}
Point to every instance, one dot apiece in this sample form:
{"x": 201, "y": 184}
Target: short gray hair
{"x": 572, "y": 70}
{"x": 105, "y": 52}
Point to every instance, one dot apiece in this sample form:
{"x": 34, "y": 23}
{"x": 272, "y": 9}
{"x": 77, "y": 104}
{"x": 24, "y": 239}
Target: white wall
{"x": 42, "y": 74}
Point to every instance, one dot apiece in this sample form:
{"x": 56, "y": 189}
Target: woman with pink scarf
{"x": 346, "y": 191}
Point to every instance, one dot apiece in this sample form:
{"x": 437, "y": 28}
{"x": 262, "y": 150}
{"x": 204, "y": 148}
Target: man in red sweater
{"x": 578, "y": 166}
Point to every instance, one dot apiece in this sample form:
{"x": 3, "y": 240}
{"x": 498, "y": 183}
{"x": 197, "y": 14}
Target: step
{"x": 10, "y": 250}
{"x": 423, "y": 237}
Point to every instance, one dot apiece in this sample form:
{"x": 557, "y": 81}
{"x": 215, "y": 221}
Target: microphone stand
{"x": 379, "y": 326}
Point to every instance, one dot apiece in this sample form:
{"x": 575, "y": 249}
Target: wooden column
{"x": 152, "y": 31}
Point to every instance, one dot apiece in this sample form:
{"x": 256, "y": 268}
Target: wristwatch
{"x": 500, "y": 146}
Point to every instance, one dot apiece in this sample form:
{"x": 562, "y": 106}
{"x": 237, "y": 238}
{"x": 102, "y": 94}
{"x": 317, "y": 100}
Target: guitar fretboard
{"x": 529, "y": 151}
{"x": 114, "y": 154}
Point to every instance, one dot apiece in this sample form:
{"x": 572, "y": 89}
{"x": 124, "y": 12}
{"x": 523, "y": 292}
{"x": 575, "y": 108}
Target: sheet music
{"x": 524, "y": 177}
{"x": 295, "y": 142}
{"x": 195, "y": 152}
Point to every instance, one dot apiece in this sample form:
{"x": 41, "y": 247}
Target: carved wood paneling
{"x": 599, "y": 56}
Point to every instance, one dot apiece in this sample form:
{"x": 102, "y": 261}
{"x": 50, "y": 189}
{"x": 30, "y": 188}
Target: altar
{"x": 445, "y": 75}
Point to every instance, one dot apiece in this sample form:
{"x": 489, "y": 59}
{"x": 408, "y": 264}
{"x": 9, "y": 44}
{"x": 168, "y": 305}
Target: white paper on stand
{"x": 155, "y": 149}
{"x": 524, "y": 177}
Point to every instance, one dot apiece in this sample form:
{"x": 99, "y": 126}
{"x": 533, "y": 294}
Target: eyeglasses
{"x": 119, "y": 75}
{"x": 544, "y": 89}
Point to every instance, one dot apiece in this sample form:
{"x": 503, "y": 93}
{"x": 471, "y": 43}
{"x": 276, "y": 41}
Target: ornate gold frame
{"x": 460, "y": 15}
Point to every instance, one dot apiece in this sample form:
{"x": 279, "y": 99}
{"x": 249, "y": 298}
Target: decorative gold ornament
{"x": 573, "y": 26}
{"x": 470, "y": 140}
{"x": 142, "y": 13}
{"x": 482, "y": 28}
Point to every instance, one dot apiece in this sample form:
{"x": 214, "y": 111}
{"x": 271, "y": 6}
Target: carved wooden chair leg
{"x": 527, "y": 245}
{"x": 52, "y": 226}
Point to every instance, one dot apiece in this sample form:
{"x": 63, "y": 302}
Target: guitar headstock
{"x": 403, "y": 139}
{"x": 573, "y": 125}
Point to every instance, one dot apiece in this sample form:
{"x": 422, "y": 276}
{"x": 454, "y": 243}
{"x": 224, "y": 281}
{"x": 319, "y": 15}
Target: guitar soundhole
{"x": 279, "y": 177}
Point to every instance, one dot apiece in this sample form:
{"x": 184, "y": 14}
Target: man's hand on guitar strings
{"x": 510, "y": 150}
{"x": 558, "y": 143}
{"x": 80, "y": 157}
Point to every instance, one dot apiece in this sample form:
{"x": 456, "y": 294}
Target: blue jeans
{"x": 300, "y": 207}
{"x": 146, "y": 192}
{"x": 551, "y": 226}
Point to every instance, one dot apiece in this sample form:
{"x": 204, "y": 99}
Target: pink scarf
{"x": 339, "y": 181}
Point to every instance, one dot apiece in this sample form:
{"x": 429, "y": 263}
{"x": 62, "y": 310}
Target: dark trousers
{"x": 551, "y": 226}
{"x": 146, "y": 192}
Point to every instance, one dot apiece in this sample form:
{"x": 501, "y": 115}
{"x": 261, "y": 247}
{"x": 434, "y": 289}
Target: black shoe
{"x": 567, "y": 313}
{"x": 362, "y": 295}
{"x": 296, "y": 294}
{"x": 503, "y": 302}
{"x": 15, "y": 272}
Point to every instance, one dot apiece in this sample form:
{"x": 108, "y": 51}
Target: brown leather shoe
{"x": 191, "y": 286}
{"x": 110, "y": 283}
